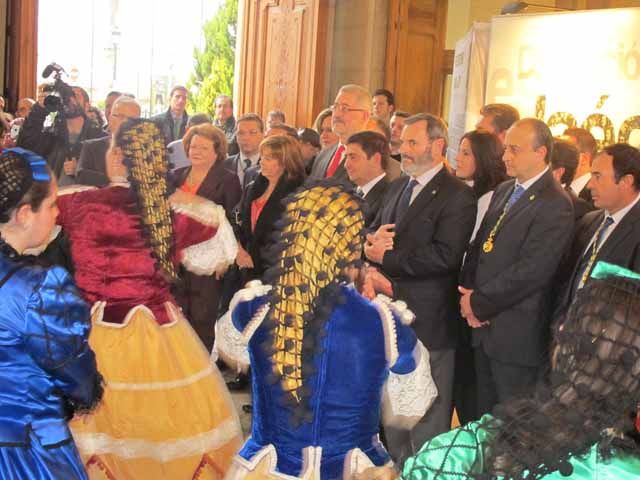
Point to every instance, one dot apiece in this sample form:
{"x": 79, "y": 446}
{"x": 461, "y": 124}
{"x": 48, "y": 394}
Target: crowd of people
{"x": 364, "y": 289}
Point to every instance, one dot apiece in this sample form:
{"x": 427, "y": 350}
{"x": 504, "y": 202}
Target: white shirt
{"x": 580, "y": 183}
{"x": 531, "y": 181}
{"x": 483, "y": 206}
{"x": 240, "y": 167}
{"x": 424, "y": 179}
{"x": 366, "y": 188}
{"x": 617, "y": 218}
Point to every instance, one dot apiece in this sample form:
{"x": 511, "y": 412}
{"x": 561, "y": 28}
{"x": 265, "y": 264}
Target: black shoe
{"x": 241, "y": 382}
{"x": 247, "y": 408}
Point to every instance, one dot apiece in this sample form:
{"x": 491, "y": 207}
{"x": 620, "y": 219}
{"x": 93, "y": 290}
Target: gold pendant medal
{"x": 487, "y": 246}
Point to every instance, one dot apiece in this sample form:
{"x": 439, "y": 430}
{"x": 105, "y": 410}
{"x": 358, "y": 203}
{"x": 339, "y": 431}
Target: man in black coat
{"x": 564, "y": 162}
{"x": 611, "y": 234}
{"x": 421, "y": 233}
{"x": 246, "y": 163}
{"x": 508, "y": 273}
{"x": 366, "y": 159}
{"x": 92, "y": 166}
{"x": 173, "y": 122}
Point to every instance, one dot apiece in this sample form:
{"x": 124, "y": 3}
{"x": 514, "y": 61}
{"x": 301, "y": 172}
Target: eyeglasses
{"x": 343, "y": 108}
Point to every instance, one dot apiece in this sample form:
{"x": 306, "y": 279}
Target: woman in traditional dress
{"x": 47, "y": 369}
{"x": 166, "y": 413}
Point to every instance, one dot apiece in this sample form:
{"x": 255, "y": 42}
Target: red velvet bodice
{"x": 112, "y": 260}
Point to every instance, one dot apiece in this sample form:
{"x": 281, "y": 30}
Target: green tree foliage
{"x": 213, "y": 66}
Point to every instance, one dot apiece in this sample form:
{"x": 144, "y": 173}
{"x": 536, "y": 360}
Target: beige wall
{"x": 359, "y": 44}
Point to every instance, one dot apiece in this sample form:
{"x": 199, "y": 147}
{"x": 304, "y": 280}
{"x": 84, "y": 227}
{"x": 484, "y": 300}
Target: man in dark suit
{"x": 564, "y": 162}
{"x": 611, "y": 234}
{"x": 92, "y": 166}
{"x": 508, "y": 273}
{"x": 421, "y": 233}
{"x": 350, "y": 115}
{"x": 366, "y": 158}
{"x": 173, "y": 122}
{"x": 587, "y": 148}
{"x": 245, "y": 163}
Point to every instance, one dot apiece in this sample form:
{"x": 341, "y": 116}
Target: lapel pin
{"x": 433, "y": 192}
{"x": 532, "y": 197}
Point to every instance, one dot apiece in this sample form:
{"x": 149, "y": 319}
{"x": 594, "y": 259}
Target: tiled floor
{"x": 240, "y": 399}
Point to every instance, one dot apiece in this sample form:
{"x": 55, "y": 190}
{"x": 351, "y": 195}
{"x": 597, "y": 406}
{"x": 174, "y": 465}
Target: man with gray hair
{"x": 94, "y": 154}
{"x": 421, "y": 233}
{"x": 350, "y": 115}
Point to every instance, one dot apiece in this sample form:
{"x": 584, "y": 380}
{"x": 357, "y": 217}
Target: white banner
{"x": 570, "y": 69}
{"x": 467, "y": 88}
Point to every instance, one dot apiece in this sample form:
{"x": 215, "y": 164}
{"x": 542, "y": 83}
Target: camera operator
{"x": 59, "y": 143}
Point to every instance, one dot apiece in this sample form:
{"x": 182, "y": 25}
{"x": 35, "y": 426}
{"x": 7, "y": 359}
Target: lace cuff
{"x": 408, "y": 397}
{"x": 229, "y": 343}
{"x": 213, "y": 255}
{"x": 200, "y": 209}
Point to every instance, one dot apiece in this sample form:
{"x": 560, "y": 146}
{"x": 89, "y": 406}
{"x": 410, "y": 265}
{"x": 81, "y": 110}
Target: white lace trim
{"x": 74, "y": 189}
{"x": 200, "y": 209}
{"x": 389, "y": 326}
{"x": 399, "y": 307}
{"x": 101, "y": 444}
{"x": 213, "y": 255}
{"x": 408, "y": 397}
{"x": 229, "y": 341}
{"x": 183, "y": 382}
{"x": 265, "y": 461}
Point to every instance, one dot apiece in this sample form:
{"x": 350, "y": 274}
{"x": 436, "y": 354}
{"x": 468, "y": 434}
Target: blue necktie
{"x": 405, "y": 199}
{"x": 515, "y": 195}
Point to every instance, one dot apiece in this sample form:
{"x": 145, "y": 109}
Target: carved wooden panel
{"x": 415, "y": 54}
{"x": 283, "y": 58}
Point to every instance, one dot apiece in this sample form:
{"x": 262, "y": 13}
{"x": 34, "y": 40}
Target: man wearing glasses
{"x": 350, "y": 115}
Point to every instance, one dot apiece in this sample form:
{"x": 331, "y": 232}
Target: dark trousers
{"x": 405, "y": 443}
{"x": 499, "y": 381}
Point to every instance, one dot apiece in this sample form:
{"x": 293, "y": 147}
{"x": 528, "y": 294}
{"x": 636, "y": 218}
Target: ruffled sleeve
{"x": 57, "y": 326}
{"x": 455, "y": 454}
{"x": 204, "y": 238}
{"x": 235, "y": 328}
{"x": 410, "y": 389}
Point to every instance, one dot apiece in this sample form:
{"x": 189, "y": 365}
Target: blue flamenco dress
{"x": 369, "y": 359}
{"x": 47, "y": 370}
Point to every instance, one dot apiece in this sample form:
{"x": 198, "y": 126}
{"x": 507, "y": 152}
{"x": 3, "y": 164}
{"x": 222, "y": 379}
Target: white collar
{"x": 533, "y": 180}
{"x": 619, "y": 215}
{"x": 580, "y": 183}
{"x": 427, "y": 176}
{"x": 366, "y": 188}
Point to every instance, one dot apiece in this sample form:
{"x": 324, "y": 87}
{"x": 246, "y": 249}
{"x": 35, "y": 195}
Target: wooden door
{"x": 283, "y": 57}
{"x": 414, "y": 68}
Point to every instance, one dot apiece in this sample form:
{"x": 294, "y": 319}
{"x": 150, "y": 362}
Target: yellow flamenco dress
{"x": 166, "y": 412}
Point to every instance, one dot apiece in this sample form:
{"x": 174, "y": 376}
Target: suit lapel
{"x": 326, "y": 160}
{"x": 528, "y": 197}
{"x": 428, "y": 193}
{"x": 621, "y": 231}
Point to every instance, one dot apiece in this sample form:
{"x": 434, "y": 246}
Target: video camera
{"x": 59, "y": 92}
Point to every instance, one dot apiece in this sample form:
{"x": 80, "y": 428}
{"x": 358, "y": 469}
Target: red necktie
{"x": 335, "y": 162}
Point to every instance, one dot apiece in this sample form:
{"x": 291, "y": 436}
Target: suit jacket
{"x": 428, "y": 248}
{"x": 513, "y": 281}
{"x": 92, "y": 168}
{"x": 165, "y": 123}
{"x": 322, "y": 162}
{"x": 250, "y": 174}
{"x": 580, "y": 206}
{"x": 622, "y": 247}
{"x": 373, "y": 200}
{"x": 219, "y": 185}
{"x": 258, "y": 241}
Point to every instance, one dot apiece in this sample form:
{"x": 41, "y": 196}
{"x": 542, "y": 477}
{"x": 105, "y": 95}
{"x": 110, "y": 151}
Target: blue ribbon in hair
{"x": 38, "y": 165}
